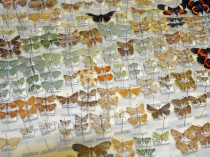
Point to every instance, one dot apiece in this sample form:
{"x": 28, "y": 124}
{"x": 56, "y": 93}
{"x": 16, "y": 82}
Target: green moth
{"x": 144, "y": 41}
{"x": 161, "y": 137}
{"x": 33, "y": 69}
{"x": 8, "y": 73}
{"x": 51, "y": 75}
{"x": 4, "y": 94}
{"x": 8, "y": 64}
{"x": 18, "y": 91}
{"x": 18, "y": 83}
{"x": 51, "y": 86}
{"x": 34, "y": 88}
{"x": 52, "y": 59}
{"x": 71, "y": 60}
{"x": 133, "y": 66}
{"x": 143, "y": 141}
{"x": 31, "y": 43}
{"x": 118, "y": 66}
{"x": 107, "y": 29}
{"x": 134, "y": 72}
{"x": 120, "y": 74}
{"x": 111, "y": 57}
{"x": 49, "y": 28}
{"x": 4, "y": 85}
{"x": 113, "y": 47}
{"x": 49, "y": 39}
{"x": 148, "y": 152}
{"x": 123, "y": 30}
{"x": 22, "y": 28}
{"x": 89, "y": 61}
{"x": 29, "y": 61}
{"x": 33, "y": 79}
{"x": 89, "y": 52}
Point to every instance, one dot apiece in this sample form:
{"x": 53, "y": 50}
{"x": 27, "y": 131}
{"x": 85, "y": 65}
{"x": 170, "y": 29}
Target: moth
{"x": 130, "y": 154}
{"x": 66, "y": 132}
{"x": 100, "y": 70}
{"x": 81, "y": 119}
{"x": 50, "y": 75}
{"x": 185, "y": 148}
{"x": 91, "y": 37}
{"x": 71, "y": 99}
{"x": 49, "y": 39}
{"x": 81, "y": 127}
{"x": 46, "y": 108}
{"x": 183, "y": 111}
{"x": 70, "y": 58}
{"x": 145, "y": 141}
{"x": 52, "y": 59}
{"x": 70, "y": 39}
{"x": 180, "y": 102}
{"x": 104, "y": 117}
{"x": 138, "y": 110}
{"x": 98, "y": 150}
{"x": 140, "y": 26}
{"x": 129, "y": 92}
{"x": 124, "y": 145}
{"x": 84, "y": 95}
{"x": 175, "y": 19}
{"x": 44, "y": 100}
{"x": 180, "y": 9}
{"x": 101, "y": 17}
{"x": 27, "y": 130}
{"x": 12, "y": 142}
{"x": 100, "y": 127}
{"x": 205, "y": 129}
{"x": 73, "y": 6}
{"x": 177, "y": 24}
{"x": 65, "y": 122}
{"x": 39, "y": 16}
{"x": 119, "y": 114}
{"x": 198, "y": 100}
{"x": 173, "y": 38}
{"x": 143, "y": 2}
{"x": 7, "y": 4}
{"x": 28, "y": 111}
{"x": 87, "y": 104}
{"x": 198, "y": 6}
{"x": 145, "y": 83}
{"x": 202, "y": 56}
{"x": 126, "y": 49}
{"x": 107, "y": 102}
{"x": 149, "y": 90}
{"x": 137, "y": 11}
{"x": 109, "y": 91}
{"x": 156, "y": 113}
{"x": 112, "y": 2}
{"x": 40, "y": 5}
{"x": 108, "y": 30}
{"x": 11, "y": 114}
{"x": 9, "y": 105}
{"x": 178, "y": 136}
{"x": 31, "y": 44}
{"x": 10, "y": 48}
{"x": 146, "y": 152}
{"x": 161, "y": 137}
{"x": 107, "y": 77}
{"x": 138, "y": 120}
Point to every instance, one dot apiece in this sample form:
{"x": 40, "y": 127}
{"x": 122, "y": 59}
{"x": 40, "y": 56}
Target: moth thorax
{"x": 9, "y": 47}
{"x": 126, "y": 48}
{"x": 185, "y": 80}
